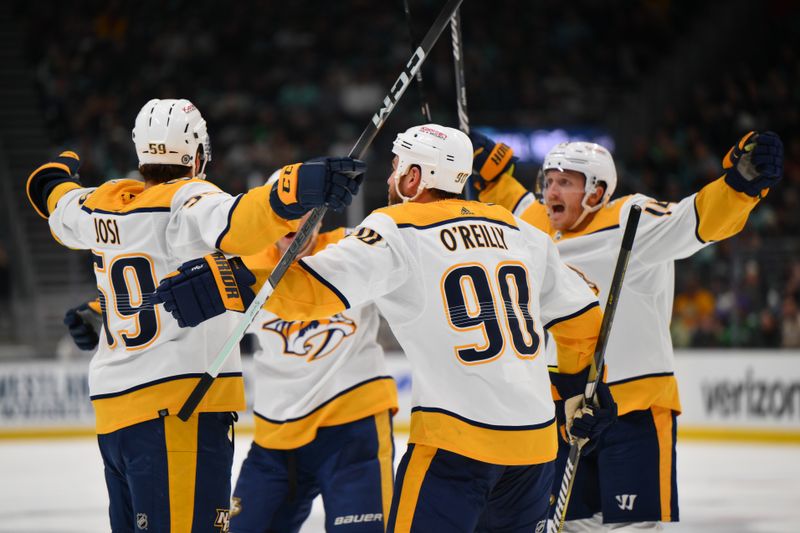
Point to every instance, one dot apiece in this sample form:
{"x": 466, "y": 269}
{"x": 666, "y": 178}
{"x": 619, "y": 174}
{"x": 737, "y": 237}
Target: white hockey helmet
{"x": 591, "y": 160}
{"x": 169, "y": 132}
{"x": 444, "y": 156}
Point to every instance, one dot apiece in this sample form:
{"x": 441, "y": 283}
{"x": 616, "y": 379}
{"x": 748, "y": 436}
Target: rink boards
{"x": 725, "y": 394}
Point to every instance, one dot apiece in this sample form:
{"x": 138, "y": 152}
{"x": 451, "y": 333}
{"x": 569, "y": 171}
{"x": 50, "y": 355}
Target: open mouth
{"x": 557, "y": 209}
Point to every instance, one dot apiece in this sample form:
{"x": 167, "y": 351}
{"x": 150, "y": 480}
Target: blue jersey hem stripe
{"x": 324, "y": 282}
{"x": 320, "y": 406}
{"x": 570, "y": 316}
{"x": 158, "y": 382}
{"x": 456, "y": 220}
{"x": 228, "y": 225}
{"x": 481, "y": 424}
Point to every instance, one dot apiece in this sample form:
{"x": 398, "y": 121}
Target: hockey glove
{"x": 570, "y": 409}
{"x": 81, "y": 322}
{"x": 755, "y": 163}
{"x": 591, "y": 421}
{"x": 328, "y": 181}
{"x": 43, "y": 180}
{"x": 489, "y": 159}
{"x": 204, "y": 288}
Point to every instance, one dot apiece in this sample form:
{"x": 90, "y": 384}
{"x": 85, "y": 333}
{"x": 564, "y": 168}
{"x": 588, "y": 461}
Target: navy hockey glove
{"x": 80, "y": 322}
{"x": 567, "y": 387}
{"x": 592, "y": 421}
{"x": 489, "y": 159}
{"x": 754, "y": 163}
{"x": 328, "y": 181}
{"x": 207, "y": 287}
{"x": 43, "y": 180}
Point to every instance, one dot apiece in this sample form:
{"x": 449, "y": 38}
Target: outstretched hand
{"x": 754, "y": 163}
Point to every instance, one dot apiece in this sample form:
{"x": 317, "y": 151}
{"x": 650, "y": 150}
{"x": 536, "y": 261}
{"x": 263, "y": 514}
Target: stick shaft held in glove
{"x": 378, "y": 119}
{"x": 573, "y": 459}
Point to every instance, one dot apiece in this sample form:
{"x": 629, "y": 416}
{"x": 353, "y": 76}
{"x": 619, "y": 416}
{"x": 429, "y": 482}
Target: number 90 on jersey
{"x": 472, "y": 300}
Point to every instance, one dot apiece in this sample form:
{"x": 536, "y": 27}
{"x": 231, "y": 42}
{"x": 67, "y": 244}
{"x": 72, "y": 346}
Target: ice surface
{"x": 56, "y": 486}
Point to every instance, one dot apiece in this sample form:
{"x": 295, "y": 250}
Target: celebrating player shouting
{"x": 630, "y": 478}
{"x": 468, "y": 290}
{"x": 163, "y": 474}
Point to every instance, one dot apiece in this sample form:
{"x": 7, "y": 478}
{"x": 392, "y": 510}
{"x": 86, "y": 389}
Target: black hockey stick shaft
{"x": 305, "y": 231}
{"x": 461, "y": 88}
{"x": 571, "y": 466}
{"x": 424, "y": 108}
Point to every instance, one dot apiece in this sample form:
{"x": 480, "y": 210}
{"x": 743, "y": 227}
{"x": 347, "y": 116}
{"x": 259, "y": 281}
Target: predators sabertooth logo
{"x": 312, "y": 340}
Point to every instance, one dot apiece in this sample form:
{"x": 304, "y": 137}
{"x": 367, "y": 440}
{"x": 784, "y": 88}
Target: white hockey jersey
{"x": 316, "y": 373}
{"x": 639, "y": 353}
{"x": 146, "y": 365}
{"x": 467, "y": 290}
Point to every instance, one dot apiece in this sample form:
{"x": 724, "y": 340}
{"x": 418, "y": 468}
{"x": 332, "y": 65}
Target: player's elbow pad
{"x": 44, "y": 180}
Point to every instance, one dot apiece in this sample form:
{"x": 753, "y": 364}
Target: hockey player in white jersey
{"x": 163, "y": 474}
{"x": 468, "y": 290}
{"x": 629, "y": 481}
{"x": 323, "y": 410}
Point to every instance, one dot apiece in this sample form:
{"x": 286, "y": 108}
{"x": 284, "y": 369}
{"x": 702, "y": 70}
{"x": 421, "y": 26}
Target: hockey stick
{"x": 568, "y": 479}
{"x": 424, "y": 108}
{"x": 305, "y": 231}
{"x": 461, "y": 88}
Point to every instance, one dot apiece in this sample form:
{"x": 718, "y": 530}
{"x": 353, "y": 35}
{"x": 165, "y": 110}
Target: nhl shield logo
{"x": 314, "y": 339}
{"x": 141, "y": 520}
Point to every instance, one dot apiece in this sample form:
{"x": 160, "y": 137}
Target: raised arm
{"x": 493, "y": 164}
{"x": 56, "y": 184}
{"x": 670, "y": 231}
{"x": 249, "y": 222}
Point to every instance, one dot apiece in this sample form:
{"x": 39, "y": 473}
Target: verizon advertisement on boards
{"x": 758, "y": 389}
{"x": 720, "y": 390}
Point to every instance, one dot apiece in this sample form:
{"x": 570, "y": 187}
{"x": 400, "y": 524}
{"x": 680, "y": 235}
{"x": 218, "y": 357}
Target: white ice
{"x": 56, "y": 486}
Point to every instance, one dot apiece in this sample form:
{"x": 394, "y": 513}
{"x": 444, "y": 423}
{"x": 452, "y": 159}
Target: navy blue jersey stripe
{"x": 228, "y": 225}
{"x": 573, "y": 315}
{"x": 516, "y": 205}
{"x": 615, "y": 226}
{"x": 697, "y": 221}
{"x": 325, "y": 282}
{"x": 656, "y": 375}
{"x": 481, "y": 424}
{"x": 323, "y": 404}
{"x": 159, "y": 381}
{"x": 455, "y": 221}
{"x": 131, "y": 212}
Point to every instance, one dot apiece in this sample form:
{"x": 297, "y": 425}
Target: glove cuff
{"x": 286, "y": 212}
{"x": 498, "y": 160}
{"x": 739, "y": 183}
{"x": 233, "y": 281}
{"x": 569, "y": 385}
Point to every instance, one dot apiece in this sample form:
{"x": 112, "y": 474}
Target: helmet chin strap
{"x": 588, "y": 208}
{"x": 403, "y": 197}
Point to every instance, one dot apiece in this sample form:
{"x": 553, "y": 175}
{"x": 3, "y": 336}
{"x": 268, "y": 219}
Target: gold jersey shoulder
{"x": 605, "y": 218}
{"x": 127, "y": 196}
{"x": 267, "y": 258}
{"x": 420, "y": 215}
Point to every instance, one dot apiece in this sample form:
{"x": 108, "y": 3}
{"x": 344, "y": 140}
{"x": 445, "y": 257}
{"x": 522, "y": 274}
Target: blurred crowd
{"x": 745, "y": 291}
{"x": 278, "y": 83}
